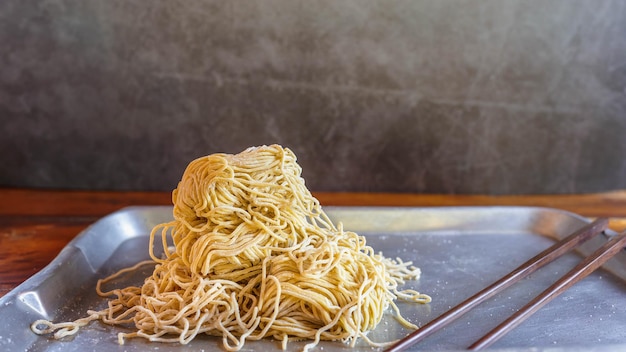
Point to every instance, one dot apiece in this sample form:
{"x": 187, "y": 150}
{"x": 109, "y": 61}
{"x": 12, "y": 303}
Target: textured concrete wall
{"x": 445, "y": 96}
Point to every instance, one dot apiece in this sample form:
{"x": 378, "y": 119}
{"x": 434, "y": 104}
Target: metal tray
{"x": 459, "y": 249}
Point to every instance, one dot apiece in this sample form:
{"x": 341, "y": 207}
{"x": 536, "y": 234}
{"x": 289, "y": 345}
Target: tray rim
{"x": 328, "y": 209}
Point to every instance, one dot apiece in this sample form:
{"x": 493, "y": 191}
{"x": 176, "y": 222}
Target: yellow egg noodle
{"x": 254, "y": 256}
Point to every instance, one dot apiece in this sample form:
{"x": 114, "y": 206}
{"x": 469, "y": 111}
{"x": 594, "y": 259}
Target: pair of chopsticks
{"x": 580, "y": 271}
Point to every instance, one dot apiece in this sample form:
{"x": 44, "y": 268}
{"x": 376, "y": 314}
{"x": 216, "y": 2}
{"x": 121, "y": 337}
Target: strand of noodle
{"x": 163, "y": 228}
{"x": 401, "y": 319}
{"x": 62, "y": 329}
{"x": 118, "y": 274}
{"x": 319, "y": 332}
{"x": 269, "y": 322}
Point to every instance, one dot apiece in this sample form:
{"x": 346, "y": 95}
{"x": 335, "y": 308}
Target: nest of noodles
{"x": 255, "y": 256}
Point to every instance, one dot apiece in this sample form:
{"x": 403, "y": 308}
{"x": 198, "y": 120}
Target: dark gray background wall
{"x": 428, "y": 96}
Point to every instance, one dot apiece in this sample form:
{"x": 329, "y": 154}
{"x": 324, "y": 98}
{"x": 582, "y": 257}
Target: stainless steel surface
{"x": 460, "y": 250}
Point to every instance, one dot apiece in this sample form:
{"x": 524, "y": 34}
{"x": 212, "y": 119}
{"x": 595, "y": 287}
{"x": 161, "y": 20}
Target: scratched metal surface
{"x": 459, "y": 250}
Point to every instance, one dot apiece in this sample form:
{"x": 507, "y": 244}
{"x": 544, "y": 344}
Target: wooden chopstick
{"x": 530, "y": 266}
{"x": 580, "y": 271}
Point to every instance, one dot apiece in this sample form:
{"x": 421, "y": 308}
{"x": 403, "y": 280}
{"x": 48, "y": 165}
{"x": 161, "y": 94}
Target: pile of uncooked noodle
{"x": 253, "y": 256}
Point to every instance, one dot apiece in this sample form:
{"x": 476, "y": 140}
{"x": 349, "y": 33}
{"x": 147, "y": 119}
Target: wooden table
{"x": 36, "y": 224}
